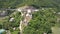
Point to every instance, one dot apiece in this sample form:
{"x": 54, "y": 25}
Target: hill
{"x": 15, "y": 3}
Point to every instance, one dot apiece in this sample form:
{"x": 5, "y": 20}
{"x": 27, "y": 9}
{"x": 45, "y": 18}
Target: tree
{"x": 41, "y": 22}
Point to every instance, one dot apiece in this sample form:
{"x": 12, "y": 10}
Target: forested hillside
{"x": 14, "y": 3}
{"x": 42, "y": 21}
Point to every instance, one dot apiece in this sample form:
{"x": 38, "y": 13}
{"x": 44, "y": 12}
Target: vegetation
{"x": 42, "y": 21}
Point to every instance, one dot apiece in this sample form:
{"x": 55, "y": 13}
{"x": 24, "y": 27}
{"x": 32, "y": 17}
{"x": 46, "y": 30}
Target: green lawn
{"x": 56, "y": 30}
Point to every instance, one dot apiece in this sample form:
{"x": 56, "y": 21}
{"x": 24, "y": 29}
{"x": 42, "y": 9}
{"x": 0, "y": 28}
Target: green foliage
{"x": 15, "y": 3}
{"x": 0, "y": 26}
{"x": 15, "y": 31}
{"x": 17, "y": 18}
{"x": 9, "y": 3}
{"x": 6, "y": 24}
{"x": 42, "y": 22}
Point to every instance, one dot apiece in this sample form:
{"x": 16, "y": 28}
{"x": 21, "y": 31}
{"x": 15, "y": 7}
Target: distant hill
{"x": 14, "y": 3}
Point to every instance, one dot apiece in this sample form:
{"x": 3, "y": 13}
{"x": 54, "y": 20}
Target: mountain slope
{"x": 14, "y": 3}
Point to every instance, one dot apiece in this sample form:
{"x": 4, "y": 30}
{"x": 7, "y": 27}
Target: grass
{"x": 56, "y": 30}
{"x": 15, "y": 32}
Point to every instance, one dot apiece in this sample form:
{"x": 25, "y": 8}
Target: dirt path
{"x": 23, "y": 23}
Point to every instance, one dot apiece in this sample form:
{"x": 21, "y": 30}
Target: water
{"x": 2, "y": 30}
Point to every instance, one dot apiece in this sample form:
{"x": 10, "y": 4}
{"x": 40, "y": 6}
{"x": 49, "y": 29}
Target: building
{"x": 27, "y": 8}
{"x": 3, "y": 13}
